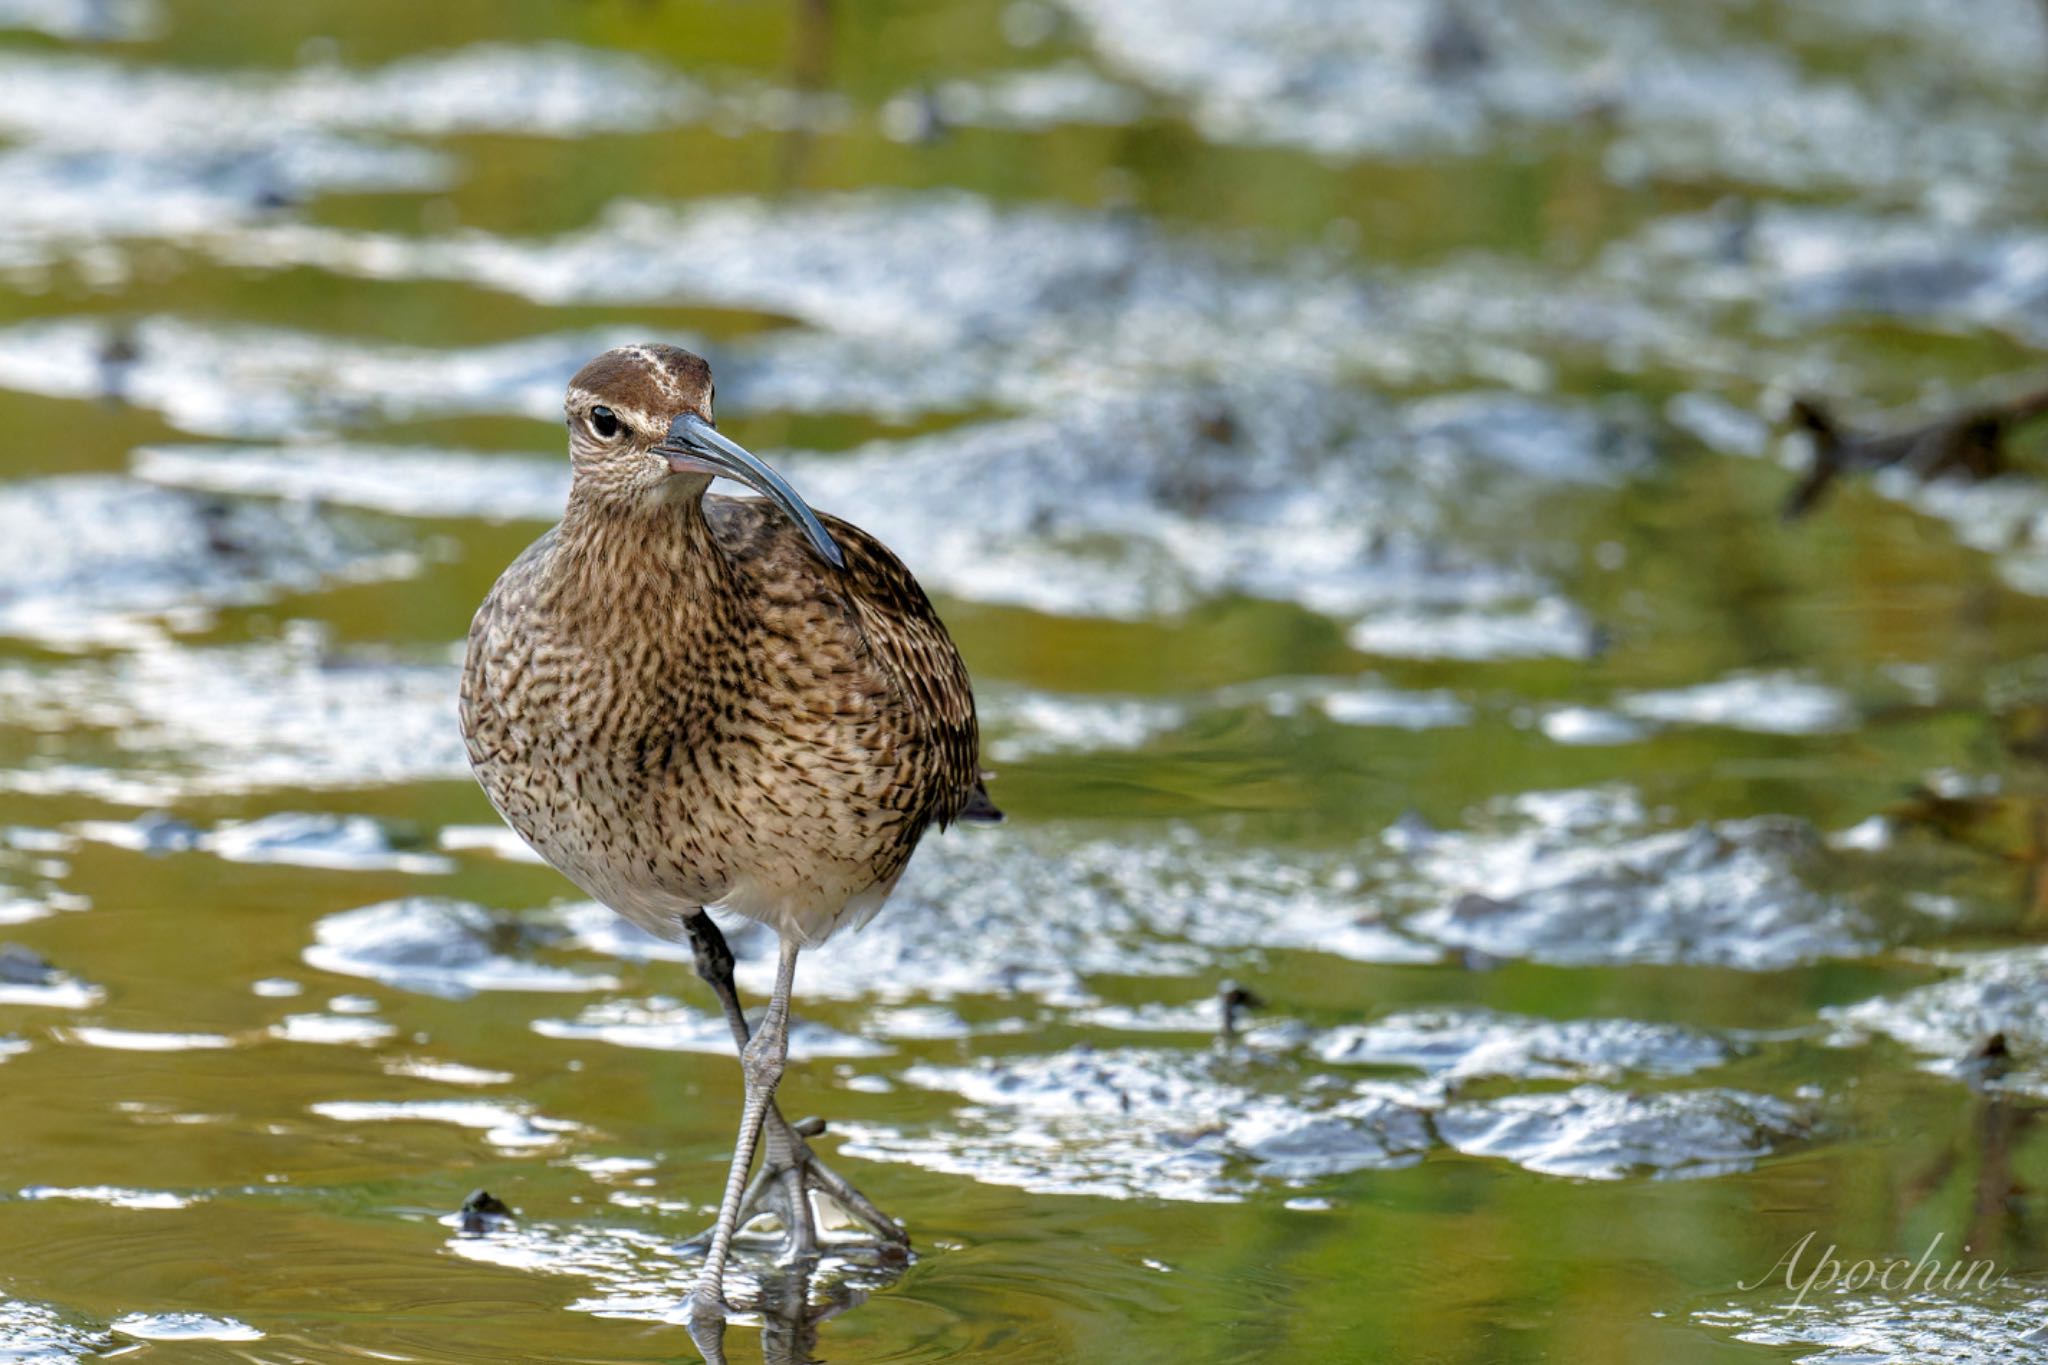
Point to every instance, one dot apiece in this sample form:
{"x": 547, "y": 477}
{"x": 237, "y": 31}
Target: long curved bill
{"x": 693, "y": 445}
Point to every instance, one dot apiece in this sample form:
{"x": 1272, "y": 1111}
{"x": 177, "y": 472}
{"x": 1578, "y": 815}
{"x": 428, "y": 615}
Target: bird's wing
{"x": 910, "y": 644}
{"x": 906, "y": 642}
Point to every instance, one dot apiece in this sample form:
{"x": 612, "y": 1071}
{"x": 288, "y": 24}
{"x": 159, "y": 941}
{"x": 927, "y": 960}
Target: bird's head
{"x": 641, "y": 433}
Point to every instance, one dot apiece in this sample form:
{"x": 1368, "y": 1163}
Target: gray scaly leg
{"x": 790, "y": 1171}
{"x": 761, "y": 1063}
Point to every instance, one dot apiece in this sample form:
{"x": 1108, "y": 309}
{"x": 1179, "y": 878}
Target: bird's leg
{"x": 791, "y": 1171}
{"x": 761, "y": 1063}
{"x": 786, "y": 1149}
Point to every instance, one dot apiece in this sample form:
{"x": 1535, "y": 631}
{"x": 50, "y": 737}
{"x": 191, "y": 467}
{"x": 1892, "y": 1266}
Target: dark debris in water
{"x": 1968, "y": 443}
{"x": 1985, "y": 1023}
{"x": 481, "y": 1213}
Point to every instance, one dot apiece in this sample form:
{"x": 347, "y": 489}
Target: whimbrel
{"x": 687, "y": 702}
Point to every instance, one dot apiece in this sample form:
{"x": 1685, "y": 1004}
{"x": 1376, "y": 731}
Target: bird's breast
{"x": 671, "y": 736}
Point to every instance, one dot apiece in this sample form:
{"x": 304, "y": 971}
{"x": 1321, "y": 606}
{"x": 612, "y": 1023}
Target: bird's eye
{"x": 604, "y": 422}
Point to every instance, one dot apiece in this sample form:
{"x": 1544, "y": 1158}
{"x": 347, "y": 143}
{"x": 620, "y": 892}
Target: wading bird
{"x": 688, "y": 702}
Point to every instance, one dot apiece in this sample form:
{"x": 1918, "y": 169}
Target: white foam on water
{"x": 509, "y": 1127}
{"x": 1031, "y": 100}
{"x": 1460, "y": 1044}
{"x": 69, "y": 201}
{"x": 350, "y": 843}
{"x": 551, "y": 89}
{"x": 252, "y": 382}
{"x": 1133, "y": 506}
{"x": 2002, "y": 991}
{"x": 410, "y": 481}
{"x": 498, "y": 840}
{"x": 1391, "y": 708}
{"x": 184, "y": 1327}
{"x": 37, "y": 1334}
{"x": 611, "y": 1167}
{"x": 445, "y": 1073}
{"x": 111, "y": 150}
{"x": 1133, "y": 1123}
{"x": 642, "y": 1275}
{"x": 1548, "y": 626}
{"x": 354, "y": 843}
{"x": 1594, "y": 1133}
{"x": 281, "y": 714}
{"x": 1583, "y": 877}
{"x": 1329, "y": 511}
{"x": 1038, "y": 913}
{"x": 22, "y": 909}
{"x": 85, "y": 20}
{"x": 59, "y": 992}
{"x": 2001, "y": 1326}
{"x": 664, "y": 1026}
{"x": 944, "y": 300}
{"x": 137, "y": 1040}
{"x": 332, "y": 1030}
{"x": 1204, "y": 1126}
{"x": 1681, "y": 93}
{"x": 114, "y": 1196}
{"x": 94, "y": 559}
{"x": 441, "y": 947}
{"x": 1809, "y": 265}
{"x": 1763, "y": 703}
{"x": 1590, "y": 725}
{"x": 1019, "y": 725}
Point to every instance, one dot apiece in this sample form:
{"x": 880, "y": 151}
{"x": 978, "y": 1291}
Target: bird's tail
{"x": 979, "y": 810}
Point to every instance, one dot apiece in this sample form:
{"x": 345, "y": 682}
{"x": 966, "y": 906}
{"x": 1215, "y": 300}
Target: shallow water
{"x": 1345, "y": 441}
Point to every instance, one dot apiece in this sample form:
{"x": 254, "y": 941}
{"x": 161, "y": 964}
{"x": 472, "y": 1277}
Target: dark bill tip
{"x": 693, "y": 445}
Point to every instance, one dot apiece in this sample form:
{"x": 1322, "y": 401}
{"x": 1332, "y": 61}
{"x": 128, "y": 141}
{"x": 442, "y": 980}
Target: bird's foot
{"x": 794, "y": 1186}
{"x": 704, "y": 1318}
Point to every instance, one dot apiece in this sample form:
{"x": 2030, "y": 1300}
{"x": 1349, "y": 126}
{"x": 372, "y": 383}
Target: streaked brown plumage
{"x": 681, "y": 704}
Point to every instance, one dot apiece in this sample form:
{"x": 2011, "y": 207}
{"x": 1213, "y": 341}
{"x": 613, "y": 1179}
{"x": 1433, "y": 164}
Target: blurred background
{"x": 1510, "y": 531}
